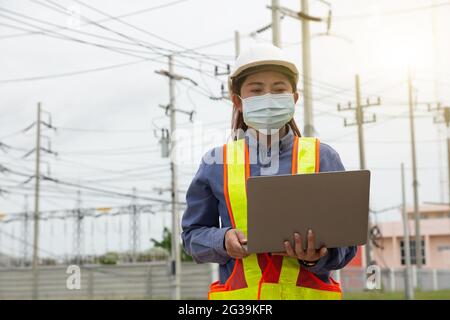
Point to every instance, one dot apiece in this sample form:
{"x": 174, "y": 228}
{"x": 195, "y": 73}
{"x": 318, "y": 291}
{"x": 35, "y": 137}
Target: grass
{"x": 380, "y": 295}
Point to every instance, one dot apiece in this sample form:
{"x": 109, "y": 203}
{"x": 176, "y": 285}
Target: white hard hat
{"x": 261, "y": 54}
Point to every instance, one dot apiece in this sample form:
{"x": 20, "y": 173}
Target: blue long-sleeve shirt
{"x": 206, "y": 220}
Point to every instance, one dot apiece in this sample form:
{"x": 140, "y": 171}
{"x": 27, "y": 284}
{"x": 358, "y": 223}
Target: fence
{"x": 152, "y": 281}
{"x": 354, "y": 279}
{"x": 140, "y": 281}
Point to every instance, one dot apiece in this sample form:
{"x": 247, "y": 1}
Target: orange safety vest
{"x": 262, "y": 276}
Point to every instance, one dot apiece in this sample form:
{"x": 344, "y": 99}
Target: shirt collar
{"x": 284, "y": 143}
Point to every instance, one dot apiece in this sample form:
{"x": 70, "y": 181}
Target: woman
{"x": 266, "y": 141}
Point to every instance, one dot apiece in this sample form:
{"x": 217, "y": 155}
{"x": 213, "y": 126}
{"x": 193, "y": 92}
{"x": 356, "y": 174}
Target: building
{"x": 435, "y": 233}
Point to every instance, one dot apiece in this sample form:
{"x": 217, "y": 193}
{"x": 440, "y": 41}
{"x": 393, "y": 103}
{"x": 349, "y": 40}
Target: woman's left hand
{"x": 308, "y": 255}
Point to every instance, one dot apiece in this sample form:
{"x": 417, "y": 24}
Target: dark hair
{"x": 237, "y": 119}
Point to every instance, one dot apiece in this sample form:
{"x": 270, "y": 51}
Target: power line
{"x": 110, "y": 151}
{"x": 69, "y": 38}
{"x": 120, "y": 50}
{"x": 100, "y": 190}
{"x": 107, "y": 19}
{"x": 134, "y": 40}
{"x": 112, "y": 160}
{"x": 125, "y": 195}
{"x": 106, "y": 130}
{"x": 94, "y": 193}
{"x": 114, "y": 49}
{"x": 369, "y": 126}
{"x": 15, "y": 133}
{"x": 94, "y": 212}
{"x": 117, "y": 49}
{"x": 88, "y": 197}
{"x": 143, "y": 30}
{"x": 316, "y": 83}
{"x": 387, "y": 208}
{"x": 68, "y": 28}
{"x": 73, "y": 73}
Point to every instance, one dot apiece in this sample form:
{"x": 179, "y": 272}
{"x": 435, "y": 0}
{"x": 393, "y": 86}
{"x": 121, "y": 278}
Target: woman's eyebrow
{"x": 255, "y": 83}
{"x": 280, "y": 82}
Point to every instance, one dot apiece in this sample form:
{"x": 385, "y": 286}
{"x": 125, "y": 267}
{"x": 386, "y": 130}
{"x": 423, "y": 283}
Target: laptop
{"x": 335, "y": 205}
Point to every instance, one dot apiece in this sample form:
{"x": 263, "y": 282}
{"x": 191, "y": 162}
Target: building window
{"x": 412, "y": 249}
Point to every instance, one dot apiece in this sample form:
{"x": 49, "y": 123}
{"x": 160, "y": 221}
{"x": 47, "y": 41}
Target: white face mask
{"x": 269, "y": 111}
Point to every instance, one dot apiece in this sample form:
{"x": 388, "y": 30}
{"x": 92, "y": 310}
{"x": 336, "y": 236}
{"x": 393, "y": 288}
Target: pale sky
{"x": 106, "y": 119}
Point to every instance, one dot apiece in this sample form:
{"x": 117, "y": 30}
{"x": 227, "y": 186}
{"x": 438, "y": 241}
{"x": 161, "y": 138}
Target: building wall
{"x": 440, "y": 251}
{"x": 435, "y": 232}
{"x": 437, "y": 252}
{"x": 387, "y": 257}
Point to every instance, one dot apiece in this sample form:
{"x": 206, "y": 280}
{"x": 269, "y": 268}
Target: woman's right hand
{"x": 234, "y": 241}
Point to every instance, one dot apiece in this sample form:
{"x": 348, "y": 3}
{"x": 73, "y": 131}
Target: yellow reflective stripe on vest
{"x": 306, "y": 163}
{"x": 289, "y": 271}
{"x": 278, "y": 291}
{"x": 306, "y": 159}
{"x": 238, "y": 200}
{"x": 250, "y": 293}
{"x": 236, "y": 183}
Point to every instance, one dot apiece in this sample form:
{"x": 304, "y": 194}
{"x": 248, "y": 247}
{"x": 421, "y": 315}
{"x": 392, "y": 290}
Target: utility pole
{"x": 304, "y": 18}
{"x": 414, "y": 165}
{"x": 276, "y": 26}
{"x": 176, "y": 255}
{"x": 120, "y": 235}
{"x": 443, "y": 116}
{"x": 237, "y": 43}
{"x": 306, "y": 60}
{"x": 26, "y": 221}
{"x": 171, "y": 111}
{"x": 36, "y": 204}
{"x": 106, "y": 233}
{"x": 37, "y": 150}
{"x": 66, "y": 241}
{"x": 360, "y": 121}
{"x": 93, "y": 252}
{"x": 409, "y": 290}
{"x": 134, "y": 227}
{"x": 224, "y": 94}
{"x": 440, "y": 134}
{"x": 78, "y": 233}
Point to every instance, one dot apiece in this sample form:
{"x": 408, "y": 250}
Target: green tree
{"x": 109, "y": 258}
{"x": 166, "y": 243}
